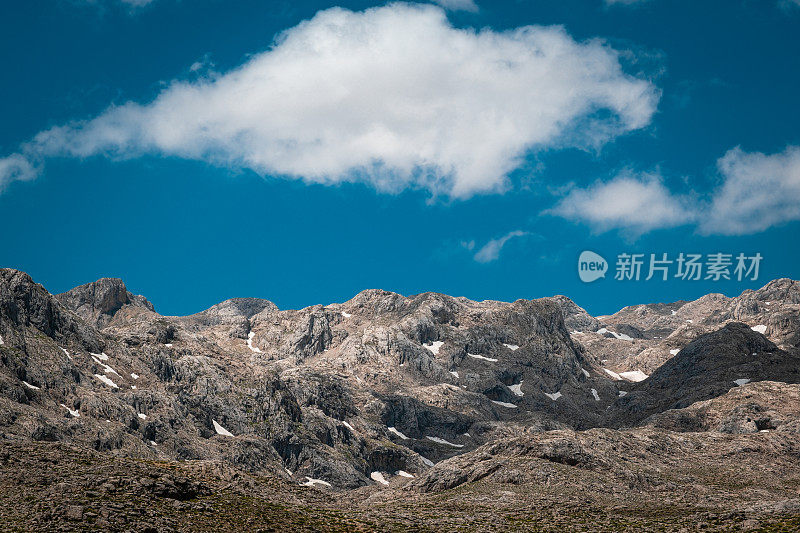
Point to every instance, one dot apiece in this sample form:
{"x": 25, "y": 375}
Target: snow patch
{"x": 620, "y": 336}
{"x": 348, "y": 426}
{"x": 740, "y": 382}
{"x": 66, "y": 353}
{"x": 673, "y": 312}
{"x": 346, "y": 315}
{"x": 512, "y": 347}
{"x": 102, "y": 356}
{"x": 34, "y": 387}
{"x": 434, "y": 346}
{"x": 73, "y": 412}
{"x": 517, "y": 389}
{"x": 134, "y": 376}
{"x": 310, "y": 482}
{"x": 613, "y": 374}
{"x": 397, "y": 432}
{"x": 484, "y": 358}
{"x": 504, "y": 404}
{"x": 2, "y": 342}
{"x": 254, "y": 349}
{"x": 107, "y": 381}
{"x": 221, "y": 430}
{"x": 674, "y": 351}
{"x": 403, "y": 473}
{"x": 378, "y": 477}
{"x": 761, "y": 328}
{"x": 622, "y": 393}
{"x": 168, "y": 344}
{"x": 142, "y": 416}
{"x": 426, "y": 461}
{"x": 575, "y": 332}
{"x": 442, "y": 441}
{"x": 555, "y": 396}
{"x": 585, "y": 372}
{"x": 455, "y": 373}
{"x": 634, "y": 375}
{"x": 106, "y": 369}
{"x": 596, "y": 396}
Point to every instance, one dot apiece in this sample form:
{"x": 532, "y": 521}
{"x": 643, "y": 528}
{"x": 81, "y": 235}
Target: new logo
{"x": 591, "y": 266}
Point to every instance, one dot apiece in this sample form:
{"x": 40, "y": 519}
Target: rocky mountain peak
{"x": 97, "y": 302}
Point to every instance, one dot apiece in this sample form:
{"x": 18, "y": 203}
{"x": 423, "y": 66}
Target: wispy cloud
{"x": 393, "y": 96}
{"x": 459, "y": 5}
{"x": 491, "y": 250}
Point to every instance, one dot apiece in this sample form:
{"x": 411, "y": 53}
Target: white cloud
{"x": 758, "y": 191}
{"x": 636, "y": 203}
{"x": 460, "y": 5}
{"x": 16, "y": 167}
{"x": 392, "y": 96}
{"x": 491, "y": 250}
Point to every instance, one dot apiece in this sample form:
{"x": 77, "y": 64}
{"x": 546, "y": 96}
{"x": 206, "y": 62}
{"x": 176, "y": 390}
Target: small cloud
{"x": 459, "y": 5}
{"x": 759, "y": 191}
{"x": 16, "y": 167}
{"x": 491, "y": 250}
{"x": 637, "y": 203}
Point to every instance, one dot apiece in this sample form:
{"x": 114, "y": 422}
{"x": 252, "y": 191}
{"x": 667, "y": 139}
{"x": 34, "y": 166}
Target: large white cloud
{"x": 393, "y": 96}
{"x": 637, "y": 203}
{"x": 758, "y": 191}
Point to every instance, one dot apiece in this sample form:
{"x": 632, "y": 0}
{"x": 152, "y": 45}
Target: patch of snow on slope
{"x": 740, "y": 382}
{"x": 555, "y": 396}
{"x": 484, "y": 358}
{"x": 73, "y": 412}
{"x": 310, "y": 482}
{"x": 434, "y": 346}
{"x": 2, "y": 342}
{"x": 168, "y": 344}
{"x": 761, "y": 328}
{"x": 107, "y": 381}
{"x": 66, "y": 353}
{"x": 620, "y": 336}
{"x": 106, "y": 369}
{"x": 512, "y": 347}
{"x": 585, "y": 372}
{"x": 348, "y": 426}
{"x": 403, "y": 473}
{"x": 442, "y": 441}
{"x": 455, "y": 373}
{"x": 426, "y": 461}
{"x": 397, "y": 432}
{"x": 254, "y": 349}
{"x": 622, "y": 393}
{"x": 221, "y": 430}
{"x": 613, "y": 374}
{"x": 102, "y": 356}
{"x": 346, "y": 315}
{"x": 517, "y": 389}
{"x": 596, "y": 396}
{"x": 378, "y": 477}
{"x": 142, "y": 416}
{"x": 504, "y": 404}
{"x": 673, "y": 312}
{"x": 34, "y": 387}
{"x": 634, "y": 375}
{"x": 134, "y": 376}
{"x": 674, "y": 351}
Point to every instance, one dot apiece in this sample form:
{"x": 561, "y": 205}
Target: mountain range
{"x": 391, "y": 412}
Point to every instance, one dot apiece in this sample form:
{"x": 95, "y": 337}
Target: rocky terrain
{"x": 387, "y": 412}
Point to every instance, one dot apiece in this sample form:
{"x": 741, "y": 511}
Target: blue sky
{"x": 206, "y": 149}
